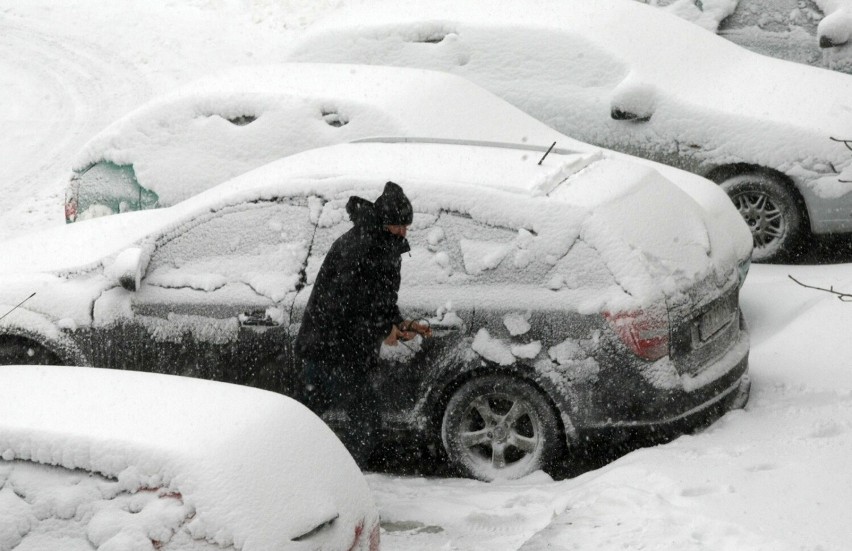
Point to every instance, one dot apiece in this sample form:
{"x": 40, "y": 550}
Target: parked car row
{"x": 560, "y": 290}
{"x": 572, "y": 289}
{"x": 224, "y": 125}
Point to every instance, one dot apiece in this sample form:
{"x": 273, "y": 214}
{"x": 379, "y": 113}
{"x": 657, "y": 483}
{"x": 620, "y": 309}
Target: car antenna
{"x": 549, "y": 149}
{"x": 17, "y": 305}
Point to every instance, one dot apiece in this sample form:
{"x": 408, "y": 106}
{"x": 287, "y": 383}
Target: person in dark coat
{"x": 352, "y": 310}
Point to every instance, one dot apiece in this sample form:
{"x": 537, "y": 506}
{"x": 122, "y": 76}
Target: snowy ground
{"x": 774, "y": 476}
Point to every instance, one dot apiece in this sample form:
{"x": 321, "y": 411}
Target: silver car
{"x": 775, "y": 135}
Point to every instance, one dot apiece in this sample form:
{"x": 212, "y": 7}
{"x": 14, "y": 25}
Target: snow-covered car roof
{"x": 252, "y": 468}
{"x": 650, "y": 233}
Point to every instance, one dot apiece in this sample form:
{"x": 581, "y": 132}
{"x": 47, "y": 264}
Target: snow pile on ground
{"x": 238, "y": 457}
{"x": 788, "y": 29}
{"x": 705, "y": 13}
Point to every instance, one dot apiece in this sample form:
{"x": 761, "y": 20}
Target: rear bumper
{"x": 701, "y": 398}
{"x": 733, "y": 397}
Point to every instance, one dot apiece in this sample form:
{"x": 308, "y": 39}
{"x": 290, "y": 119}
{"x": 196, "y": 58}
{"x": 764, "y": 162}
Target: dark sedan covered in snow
{"x": 567, "y": 293}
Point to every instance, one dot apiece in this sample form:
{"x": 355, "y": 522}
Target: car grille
{"x": 700, "y": 336}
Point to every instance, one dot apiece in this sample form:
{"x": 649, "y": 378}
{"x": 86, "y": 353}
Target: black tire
{"x": 772, "y": 212}
{"x": 498, "y": 427}
{"x": 20, "y": 351}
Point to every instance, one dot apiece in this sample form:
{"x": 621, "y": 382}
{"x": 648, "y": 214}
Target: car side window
{"x": 446, "y": 248}
{"x": 582, "y": 267}
{"x": 262, "y": 245}
{"x": 483, "y": 253}
{"x": 428, "y": 262}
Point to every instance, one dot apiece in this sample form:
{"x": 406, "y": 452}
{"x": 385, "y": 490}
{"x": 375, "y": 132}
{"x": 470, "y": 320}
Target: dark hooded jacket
{"x": 353, "y": 304}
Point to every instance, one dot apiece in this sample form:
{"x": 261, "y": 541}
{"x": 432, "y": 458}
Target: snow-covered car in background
{"x": 567, "y": 292}
{"x": 219, "y": 127}
{"x": 633, "y": 78}
{"x": 122, "y": 460}
{"x": 227, "y": 124}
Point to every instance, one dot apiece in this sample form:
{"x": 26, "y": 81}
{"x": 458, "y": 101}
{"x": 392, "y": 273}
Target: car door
{"x": 470, "y": 281}
{"x": 217, "y": 296}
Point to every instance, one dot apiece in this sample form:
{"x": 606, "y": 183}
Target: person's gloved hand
{"x": 406, "y": 331}
{"x": 411, "y": 326}
{"x": 397, "y": 335}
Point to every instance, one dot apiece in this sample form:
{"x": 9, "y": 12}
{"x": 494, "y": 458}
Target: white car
{"x": 588, "y": 292}
{"x": 630, "y": 77}
{"x": 224, "y": 125}
{"x": 125, "y": 461}
{"x": 219, "y": 127}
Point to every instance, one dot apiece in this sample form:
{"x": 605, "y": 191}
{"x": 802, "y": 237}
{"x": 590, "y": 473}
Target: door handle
{"x": 257, "y": 318}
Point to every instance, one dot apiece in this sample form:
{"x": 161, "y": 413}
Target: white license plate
{"x": 715, "y": 319}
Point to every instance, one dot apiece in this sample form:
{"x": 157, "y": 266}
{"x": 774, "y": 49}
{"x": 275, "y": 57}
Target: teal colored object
{"x": 106, "y": 188}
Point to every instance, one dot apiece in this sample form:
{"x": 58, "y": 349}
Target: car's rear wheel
{"x": 498, "y": 427}
{"x": 21, "y": 351}
{"x": 771, "y": 211}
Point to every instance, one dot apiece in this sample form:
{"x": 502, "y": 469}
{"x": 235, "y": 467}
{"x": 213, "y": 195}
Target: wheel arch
{"x": 67, "y": 352}
{"x": 724, "y": 172}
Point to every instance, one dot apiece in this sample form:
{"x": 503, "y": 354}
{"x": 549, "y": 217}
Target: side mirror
{"x": 619, "y": 115}
{"x": 633, "y": 100}
{"x": 127, "y": 268}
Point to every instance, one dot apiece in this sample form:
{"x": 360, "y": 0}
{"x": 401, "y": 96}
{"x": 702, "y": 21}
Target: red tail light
{"x": 373, "y": 540}
{"x": 646, "y": 333}
{"x": 375, "y": 537}
{"x": 70, "y": 210}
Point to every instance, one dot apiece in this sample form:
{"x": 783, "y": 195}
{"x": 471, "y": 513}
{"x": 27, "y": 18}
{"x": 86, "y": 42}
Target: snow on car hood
{"x": 257, "y": 468}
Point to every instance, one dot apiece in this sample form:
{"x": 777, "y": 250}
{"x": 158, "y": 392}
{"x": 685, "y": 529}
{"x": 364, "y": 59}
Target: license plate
{"x": 715, "y": 319}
